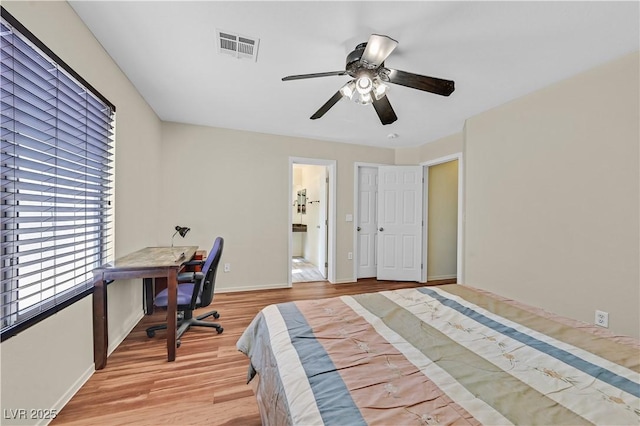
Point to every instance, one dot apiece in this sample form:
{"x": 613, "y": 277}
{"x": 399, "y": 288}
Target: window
{"x": 57, "y": 181}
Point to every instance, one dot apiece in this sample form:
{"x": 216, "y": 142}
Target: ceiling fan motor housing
{"x": 354, "y": 65}
{"x": 356, "y": 68}
{"x": 354, "y": 57}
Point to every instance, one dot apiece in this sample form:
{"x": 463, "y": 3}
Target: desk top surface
{"x": 154, "y": 257}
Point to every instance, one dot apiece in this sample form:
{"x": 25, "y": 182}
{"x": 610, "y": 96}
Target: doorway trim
{"x": 331, "y": 215}
{"x": 460, "y": 243}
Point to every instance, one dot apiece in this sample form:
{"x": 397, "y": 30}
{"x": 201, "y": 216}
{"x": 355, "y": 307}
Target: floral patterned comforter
{"x": 437, "y": 355}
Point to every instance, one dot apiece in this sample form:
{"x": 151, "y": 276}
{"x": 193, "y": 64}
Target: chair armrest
{"x": 189, "y": 277}
{"x": 196, "y": 262}
{"x": 186, "y": 277}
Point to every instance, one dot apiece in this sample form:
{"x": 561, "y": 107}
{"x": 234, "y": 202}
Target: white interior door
{"x": 400, "y": 223}
{"x": 367, "y": 221}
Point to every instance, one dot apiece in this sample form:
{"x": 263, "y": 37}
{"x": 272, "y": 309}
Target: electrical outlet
{"x": 350, "y": 255}
{"x": 227, "y": 267}
{"x": 602, "y": 319}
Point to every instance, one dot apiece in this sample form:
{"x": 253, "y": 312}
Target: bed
{"x": 447, "y": 354}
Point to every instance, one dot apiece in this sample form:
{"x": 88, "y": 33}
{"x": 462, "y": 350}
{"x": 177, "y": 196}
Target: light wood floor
{"x": 207, "y": 382}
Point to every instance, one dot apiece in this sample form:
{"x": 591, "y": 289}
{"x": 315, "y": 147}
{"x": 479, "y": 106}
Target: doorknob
{"x": 358, "y": 228}
{"x": 381, "y": 229}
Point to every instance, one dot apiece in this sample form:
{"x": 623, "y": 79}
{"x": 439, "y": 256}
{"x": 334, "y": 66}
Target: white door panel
{"x": 400, "y": 223}
{"x": 367, "y": 221}
{"x": 323, "y": 246}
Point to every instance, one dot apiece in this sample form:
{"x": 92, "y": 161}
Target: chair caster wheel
{"x": 216, "y": 315}
{"x": 151, "y": 333}
{"x": 178, "y": 343}
{"x": 220, "y": 330}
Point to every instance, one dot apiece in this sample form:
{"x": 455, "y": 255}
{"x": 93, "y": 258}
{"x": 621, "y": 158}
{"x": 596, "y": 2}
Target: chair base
{"x": 187, "y": 322}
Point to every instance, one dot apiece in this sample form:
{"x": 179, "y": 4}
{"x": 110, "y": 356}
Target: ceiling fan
{"x": 366, "y": 65}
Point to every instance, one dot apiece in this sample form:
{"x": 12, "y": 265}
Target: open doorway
{"x": 441, "y": 255}
{"x": 445, "y": 204}
{"x": 311, "y": 226}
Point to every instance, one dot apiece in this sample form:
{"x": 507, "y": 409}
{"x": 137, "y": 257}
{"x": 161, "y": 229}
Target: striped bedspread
{"x": 436, "y": 355}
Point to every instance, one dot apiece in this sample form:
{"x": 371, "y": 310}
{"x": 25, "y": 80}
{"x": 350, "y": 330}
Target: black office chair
{"x": 195, "y": 290}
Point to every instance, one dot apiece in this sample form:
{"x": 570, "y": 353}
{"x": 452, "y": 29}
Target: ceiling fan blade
{"x": 384, "y": 110}
{"x": 319, "y": 74}
{"x": 324, "y": 108}
{"x": 421, "y": 82}
{"x": 379, "y": 47}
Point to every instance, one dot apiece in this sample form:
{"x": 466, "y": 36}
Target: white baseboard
{"x": 250, "y": 288}
{"x": 441, "y": 277}
{"x": 345, "y": 281}
{"x": 129, "y": 325}
{"x": 221, "y": 289}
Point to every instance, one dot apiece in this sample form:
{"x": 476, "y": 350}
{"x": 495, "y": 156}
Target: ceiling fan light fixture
{"x": 363, "y": 98}
{"x": 353, "y": 91}
{"x": 348, "y": 89}
{"x": 379, "y": 88}
{"x": 364, "y": 85}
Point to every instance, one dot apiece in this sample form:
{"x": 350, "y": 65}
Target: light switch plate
{"x": 349, "y": 217}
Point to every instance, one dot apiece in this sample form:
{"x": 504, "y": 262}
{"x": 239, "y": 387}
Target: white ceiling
{"x": 494, "y": 51}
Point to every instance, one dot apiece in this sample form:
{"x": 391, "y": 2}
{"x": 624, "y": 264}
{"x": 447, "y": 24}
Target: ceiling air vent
{"x": 238, "y": 46}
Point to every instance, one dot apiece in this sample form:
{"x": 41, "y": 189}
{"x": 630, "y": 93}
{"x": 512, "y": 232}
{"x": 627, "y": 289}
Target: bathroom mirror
{"x": 302, "y": 201}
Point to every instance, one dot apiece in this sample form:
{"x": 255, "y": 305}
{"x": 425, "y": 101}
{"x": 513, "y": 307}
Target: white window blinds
{"x": 56, "y": 165}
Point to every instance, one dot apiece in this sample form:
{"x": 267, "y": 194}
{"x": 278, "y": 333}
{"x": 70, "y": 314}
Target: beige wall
{"x": 239, "y": 189}
{"x": 446, "y": 146}
{"x": 442, "y": 221}
{"x": 552, "y": 197}
{"x": 44, "y": 365}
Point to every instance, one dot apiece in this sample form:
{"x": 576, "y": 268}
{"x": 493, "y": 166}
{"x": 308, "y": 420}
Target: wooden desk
{"x": 150, "y": 262}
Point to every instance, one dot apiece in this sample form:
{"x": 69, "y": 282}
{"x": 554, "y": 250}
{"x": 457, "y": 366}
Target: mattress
{"x": 436, "y": 355}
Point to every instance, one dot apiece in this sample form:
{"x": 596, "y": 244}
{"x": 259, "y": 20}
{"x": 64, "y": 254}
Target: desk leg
{"x": 100, "y": 327}
{"x": 148, "y": 295}
{"x": 172, "y": 304}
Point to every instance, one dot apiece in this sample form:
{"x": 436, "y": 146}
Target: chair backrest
{"x": 209, "y": 269}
